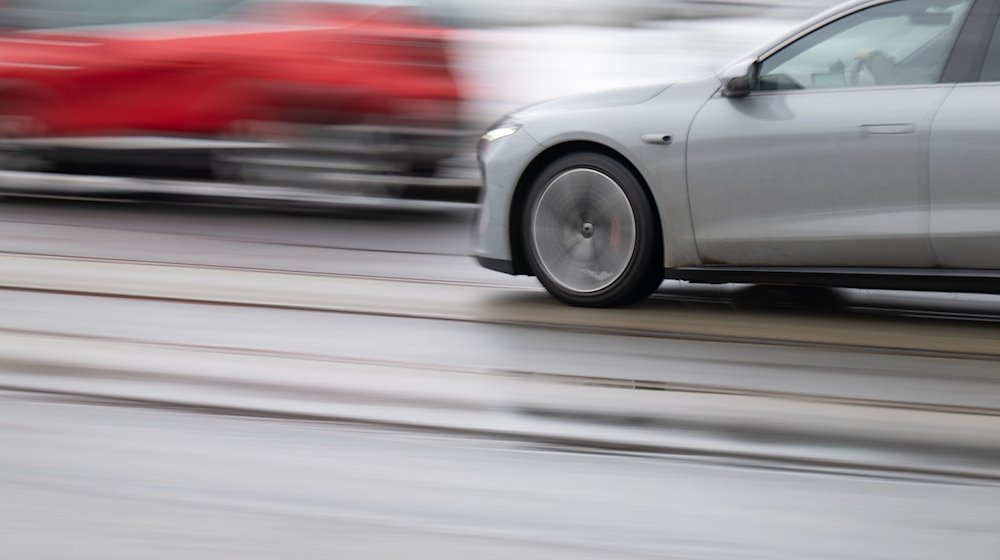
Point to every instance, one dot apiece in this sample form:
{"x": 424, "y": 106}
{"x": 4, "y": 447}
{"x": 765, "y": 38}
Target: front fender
{"x": 662, "y": 166}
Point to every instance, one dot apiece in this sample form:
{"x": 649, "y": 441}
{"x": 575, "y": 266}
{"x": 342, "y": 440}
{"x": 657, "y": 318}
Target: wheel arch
{"x": 534, "y": 170}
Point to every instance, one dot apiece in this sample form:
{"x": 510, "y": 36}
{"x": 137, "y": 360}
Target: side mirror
{"x": 738, "y": 79}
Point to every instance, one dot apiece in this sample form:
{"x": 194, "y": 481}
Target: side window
{"x": 991, "y": 67}
{"x": 897, "y": 43}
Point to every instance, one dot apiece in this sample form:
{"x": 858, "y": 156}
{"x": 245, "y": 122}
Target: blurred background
{"x": 238, "y": 318}
{"x": 369, "y": 98}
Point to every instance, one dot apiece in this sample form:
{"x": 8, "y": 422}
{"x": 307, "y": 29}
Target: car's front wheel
{"x": 591, "y": 233}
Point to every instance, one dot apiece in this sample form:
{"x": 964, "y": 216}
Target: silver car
{"x": 861, "y": 150}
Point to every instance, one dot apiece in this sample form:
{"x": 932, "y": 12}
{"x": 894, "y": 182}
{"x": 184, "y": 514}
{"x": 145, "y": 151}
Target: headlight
{"x": 499, "y": 132}
{"x": 496, "y": 132}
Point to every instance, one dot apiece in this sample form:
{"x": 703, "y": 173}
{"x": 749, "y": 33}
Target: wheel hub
{"x": 583, "y": 231}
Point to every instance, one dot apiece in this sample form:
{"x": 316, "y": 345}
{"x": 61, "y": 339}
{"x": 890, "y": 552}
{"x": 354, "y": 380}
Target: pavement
{"x": 584, "y": 412}
{"x": 219, "y": 382}
{"x": 96, "y": 480}
{"x": 920, "y": 431}
{"x": 453, "y": 301}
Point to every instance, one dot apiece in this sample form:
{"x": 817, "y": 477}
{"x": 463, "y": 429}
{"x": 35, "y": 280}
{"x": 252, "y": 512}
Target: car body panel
{"x": 503, "y": 161}
{"x": 965, "y": 178}
{"x": 775, "y": 175}
{"x": 622, "y": 119}
{"x": 615, "y": 98}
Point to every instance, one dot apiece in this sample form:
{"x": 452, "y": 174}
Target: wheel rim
{"x": 583, "y": 231}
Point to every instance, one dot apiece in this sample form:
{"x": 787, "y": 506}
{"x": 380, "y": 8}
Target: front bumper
{"x": 503, "y": 162}
{"x": 498, "y": 265}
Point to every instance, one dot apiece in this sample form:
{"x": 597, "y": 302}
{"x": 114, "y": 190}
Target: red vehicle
{"x": 224, "y": 69}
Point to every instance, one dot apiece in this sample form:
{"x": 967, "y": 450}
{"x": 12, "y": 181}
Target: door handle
{"x": 908, "y": 128}
{"x": 658, "y": 138}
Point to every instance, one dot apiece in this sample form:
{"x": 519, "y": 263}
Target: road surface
{"x": 212, "y": 382}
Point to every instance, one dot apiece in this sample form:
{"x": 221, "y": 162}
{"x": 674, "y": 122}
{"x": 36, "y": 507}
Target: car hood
{"x": 613, "y": 98}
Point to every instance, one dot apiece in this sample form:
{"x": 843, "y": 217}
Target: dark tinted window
{"x": 991, "y": 68}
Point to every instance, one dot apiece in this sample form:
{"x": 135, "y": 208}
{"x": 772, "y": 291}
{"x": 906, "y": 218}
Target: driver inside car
{"x": 887, "y": 70}
{"x": 882, "y": 66}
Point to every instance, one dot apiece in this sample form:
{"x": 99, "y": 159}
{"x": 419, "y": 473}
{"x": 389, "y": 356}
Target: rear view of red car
{"x": 227, "y": 83}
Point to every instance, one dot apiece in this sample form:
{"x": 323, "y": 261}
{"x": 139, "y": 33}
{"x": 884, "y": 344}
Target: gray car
{"x": 861, "y": 150}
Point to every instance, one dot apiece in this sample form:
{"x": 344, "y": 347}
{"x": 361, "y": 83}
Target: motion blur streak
{"x": 275, "y": 84}
{"x": 361, "y": 98}
{"x": 238, "y": 319}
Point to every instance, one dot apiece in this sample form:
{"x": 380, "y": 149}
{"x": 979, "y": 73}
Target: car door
{"x": 965, "y": 167}
{"x": 825, "y": 163}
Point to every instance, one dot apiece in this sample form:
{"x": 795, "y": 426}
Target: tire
{"x": 590, "y": 232}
